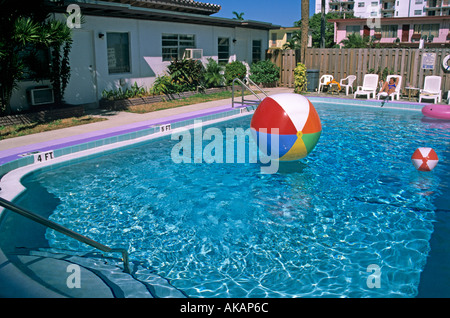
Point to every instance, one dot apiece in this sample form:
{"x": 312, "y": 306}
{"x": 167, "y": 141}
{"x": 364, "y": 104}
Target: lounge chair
{"x": 369, "y": 86}
{"x": 396, "y": 93}
{"x": 349, "y": 79}
{"x": 324, "y": 80}
{"x": 431, "y": 89}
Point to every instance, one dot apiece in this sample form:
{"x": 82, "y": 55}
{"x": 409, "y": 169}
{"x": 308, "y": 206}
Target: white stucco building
{"x": 121, "y": 42}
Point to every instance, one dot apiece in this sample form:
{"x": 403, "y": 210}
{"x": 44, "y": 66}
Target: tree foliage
{"x": 213, "y": 74}
{"x": 264, "y": 72}
{"x": 25, "y": 27}
{"x": 300, "y": 80}
{"x": 315, "y": 26}
{"x": 235, "y": 69}
{"x": 356, "y": 41}
{"x": 187, "y": 74}
{"x": 238, "y": 16}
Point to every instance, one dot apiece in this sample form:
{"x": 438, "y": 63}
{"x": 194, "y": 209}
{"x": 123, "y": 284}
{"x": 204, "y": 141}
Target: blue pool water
{"x": 227, "y": 230}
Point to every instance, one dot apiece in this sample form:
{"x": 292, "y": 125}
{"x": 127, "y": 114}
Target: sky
{"x": 279, "y": 12}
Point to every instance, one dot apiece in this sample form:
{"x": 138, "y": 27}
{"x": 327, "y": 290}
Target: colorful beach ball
{"x": 424, "y": 159}
{"x": 297, "y": 121}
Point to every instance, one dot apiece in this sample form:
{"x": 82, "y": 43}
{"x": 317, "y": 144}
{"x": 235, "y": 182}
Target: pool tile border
{"x": 16, "y": 158}
{"x": 21, "y": 157}
{"x": 406, "y": 105}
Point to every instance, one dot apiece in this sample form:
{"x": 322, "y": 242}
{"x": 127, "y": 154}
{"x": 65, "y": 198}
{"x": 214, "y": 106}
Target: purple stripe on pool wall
{"x": 13, "y": 153}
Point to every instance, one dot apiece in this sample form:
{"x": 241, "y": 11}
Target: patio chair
{"x": 369, "y": 86}
{"x": 431, "y": 89}
{"x": 324, "y": 80}
{"x": 349, "y": 79}
{"x": 396, "y": 93}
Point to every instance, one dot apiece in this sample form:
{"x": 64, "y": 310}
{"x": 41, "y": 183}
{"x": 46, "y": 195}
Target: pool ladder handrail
{"x": 243, "y": 87}
{"x": 63, "y": 230}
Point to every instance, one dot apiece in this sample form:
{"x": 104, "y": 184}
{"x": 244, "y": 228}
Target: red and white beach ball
{"x": 424, "y": 159}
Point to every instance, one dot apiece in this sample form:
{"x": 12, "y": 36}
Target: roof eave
{"x": 122, "y": 10}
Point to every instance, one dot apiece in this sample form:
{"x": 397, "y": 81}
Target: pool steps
{"x": 100, "y": 277}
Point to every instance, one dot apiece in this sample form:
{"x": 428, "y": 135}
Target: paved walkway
{"x": 122, "y": 122}
{"x": 116, "y": 120}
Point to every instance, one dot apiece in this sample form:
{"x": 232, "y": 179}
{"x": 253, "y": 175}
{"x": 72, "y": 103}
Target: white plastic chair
{"x": 369, "y": 86}
{"x": 396, "y": 93}
{"x": 349, "y": 79}
{"x": 431, "y": 89}
{"x": 324, "y": 80}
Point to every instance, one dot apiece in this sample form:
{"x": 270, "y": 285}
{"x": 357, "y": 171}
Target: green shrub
{"x": 164, "y": 85}
{"x": 132, "y": 92}
{"x": 264, "y": 72}
{"x": 213, "y": 76}
{"x": 186, "y": 74}
{"x": 300, "y": 78}
{"x": 234, "y": 70}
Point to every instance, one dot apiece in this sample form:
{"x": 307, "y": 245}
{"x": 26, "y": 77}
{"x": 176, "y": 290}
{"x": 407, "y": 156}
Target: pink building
{"x": 405, "y": 31}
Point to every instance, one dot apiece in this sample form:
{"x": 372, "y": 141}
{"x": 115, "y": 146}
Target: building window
{"x": 256, "y": 51}
{"x": 374, "y": 3}
{"x": 427, "y": 29}
{"x": 389, "y": 31}
{"x": 274, "y": 39}
{"x": 223, "y": 49}
{"x": 360, "y": 4}
{"x": 174, "y": 45}
{"x": 351, "y": 29}
{"x": 417, "y": 12}
{"x": 118, "y": 45}
{"x": 419, "y": 1}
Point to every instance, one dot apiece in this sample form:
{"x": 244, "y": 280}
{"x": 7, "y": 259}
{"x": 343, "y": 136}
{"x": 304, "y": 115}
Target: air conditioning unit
{"x": 40, "y": 95}
{"x": 193, "y": 54}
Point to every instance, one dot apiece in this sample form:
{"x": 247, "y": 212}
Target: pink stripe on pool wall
{"x": 13, "y": 153}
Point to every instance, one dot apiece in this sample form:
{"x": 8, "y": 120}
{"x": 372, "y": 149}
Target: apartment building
{"x": 405, "y": 31}
{"x": 386, "y": 8}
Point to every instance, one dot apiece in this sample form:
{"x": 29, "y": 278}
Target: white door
{"x": 81, "y": 88}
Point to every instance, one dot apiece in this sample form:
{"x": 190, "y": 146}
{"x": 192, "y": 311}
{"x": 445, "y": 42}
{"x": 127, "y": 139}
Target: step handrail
{"x": 63, "y": 230}
{"x": 243, "y": 86}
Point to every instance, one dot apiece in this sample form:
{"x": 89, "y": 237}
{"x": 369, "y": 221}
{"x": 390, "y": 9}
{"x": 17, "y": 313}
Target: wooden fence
{"x": 343, "y": 62}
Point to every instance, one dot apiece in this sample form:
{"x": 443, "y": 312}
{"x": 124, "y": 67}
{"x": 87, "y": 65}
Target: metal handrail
{"x": 61, "y": 229}
{"x": 243, "y": 85}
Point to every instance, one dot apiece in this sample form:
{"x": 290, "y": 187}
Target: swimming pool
{"x": 314, "y": 229}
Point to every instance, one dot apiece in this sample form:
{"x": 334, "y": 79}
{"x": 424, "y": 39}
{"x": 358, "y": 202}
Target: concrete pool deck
{"x": 117, "y": 122}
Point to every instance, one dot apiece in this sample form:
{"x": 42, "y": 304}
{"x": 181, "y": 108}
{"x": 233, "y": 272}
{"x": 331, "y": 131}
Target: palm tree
{"x": 58, "y": 37}
{"x": 356, "y": 41}
{"x": 322, "y": 25}
{"x": 291, "y": 45}
{"x": 23, "y": 32}
{"x": 304, "y": 29}
{"x": 238, "y": 16}
{"x": 294, "y": 42}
